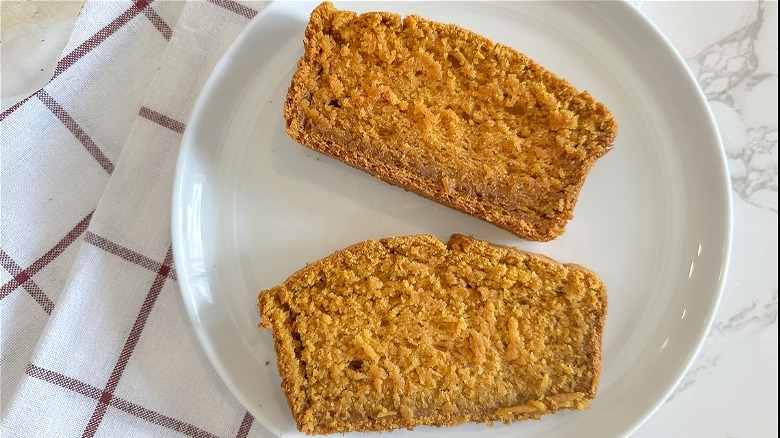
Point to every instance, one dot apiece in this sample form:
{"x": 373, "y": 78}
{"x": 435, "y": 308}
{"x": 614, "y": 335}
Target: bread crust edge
{"x": 286, "y": 356}
{"x": 398, "y": 176}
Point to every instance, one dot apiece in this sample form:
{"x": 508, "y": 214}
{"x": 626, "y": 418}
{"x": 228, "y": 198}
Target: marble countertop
{"x": 731, "y": 47}
{"x": 731, "y": 387}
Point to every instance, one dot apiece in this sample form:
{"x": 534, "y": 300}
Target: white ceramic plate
{"x": 251, "y": 206}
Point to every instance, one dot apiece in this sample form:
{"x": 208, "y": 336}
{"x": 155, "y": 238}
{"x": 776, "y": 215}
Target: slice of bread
{"x": 406, "y": 331}
{"x": 448, "y": 114}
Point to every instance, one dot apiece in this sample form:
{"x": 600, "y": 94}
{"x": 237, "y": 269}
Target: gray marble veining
{"x": 736, "y": 78}
{"x": 758, "y": 315}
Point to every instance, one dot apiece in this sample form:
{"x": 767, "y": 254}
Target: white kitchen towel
{"x": 95, "y": 338}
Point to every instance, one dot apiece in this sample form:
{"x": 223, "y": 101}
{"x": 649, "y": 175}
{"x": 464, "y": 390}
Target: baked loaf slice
{"x": 448, "y": 114}
{"x": 406, "y": 331}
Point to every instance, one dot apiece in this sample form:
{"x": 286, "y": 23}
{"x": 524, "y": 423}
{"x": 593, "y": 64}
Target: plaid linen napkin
{"x": 95, "y": 338}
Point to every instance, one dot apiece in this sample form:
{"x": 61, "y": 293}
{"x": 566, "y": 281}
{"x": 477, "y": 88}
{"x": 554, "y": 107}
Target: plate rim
{"x": 179, "y": 237}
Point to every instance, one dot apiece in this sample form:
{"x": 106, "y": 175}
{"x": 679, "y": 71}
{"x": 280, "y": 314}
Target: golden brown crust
{"x": 447, "y": 114}
{"x": 407, "y": 331}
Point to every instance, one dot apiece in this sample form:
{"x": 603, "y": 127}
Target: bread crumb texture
{"x": 449, "y": 114}
{"x": 408, "y": 331}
